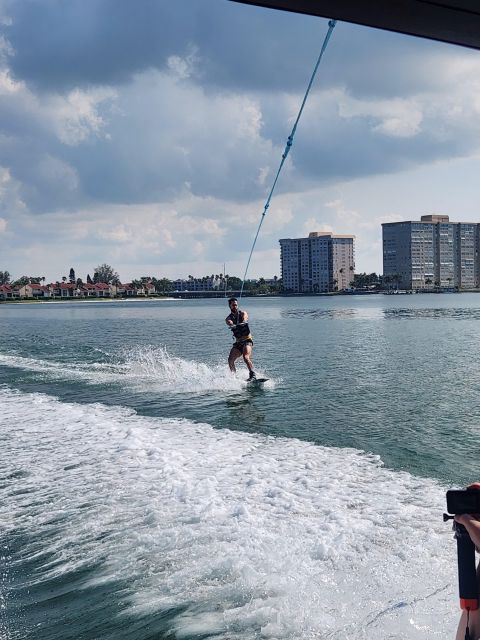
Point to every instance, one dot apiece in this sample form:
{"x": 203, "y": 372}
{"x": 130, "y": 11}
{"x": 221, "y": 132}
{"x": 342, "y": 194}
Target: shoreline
{"x": 208, "y": 297}
{"x": 86, "y": 301}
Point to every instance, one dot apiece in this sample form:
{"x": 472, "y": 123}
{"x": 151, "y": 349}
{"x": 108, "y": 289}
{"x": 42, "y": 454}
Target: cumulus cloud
{"x": 312, "y": 224}
{"x": 396, "y": 118}
{"x": 7, "y": 84}
{"x": 10, "y": 200}
{"x": 158, "y": 132}
{"x": 75, "y": 117}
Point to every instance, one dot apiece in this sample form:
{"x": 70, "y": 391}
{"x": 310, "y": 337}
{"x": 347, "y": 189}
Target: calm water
{"x": 147, "y": 493}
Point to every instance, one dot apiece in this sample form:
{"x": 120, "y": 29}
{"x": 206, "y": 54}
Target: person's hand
{"x": 465, "y": 518}
{"x": 471, "y": 521}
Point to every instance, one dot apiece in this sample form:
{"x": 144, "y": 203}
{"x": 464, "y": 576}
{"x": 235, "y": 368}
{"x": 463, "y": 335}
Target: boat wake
{"x": 189, "y": 531}
{"x": 140, "y": 369}
{"x": 157, "y": 366}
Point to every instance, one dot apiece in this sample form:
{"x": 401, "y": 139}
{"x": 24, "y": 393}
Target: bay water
{"x": 145, "y": 492}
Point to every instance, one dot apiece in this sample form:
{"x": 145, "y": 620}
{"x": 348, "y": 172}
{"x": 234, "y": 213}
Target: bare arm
{"x": 471, "y": 522}
{"x": 229, "y": 321}
{"x": 472, "y": 525}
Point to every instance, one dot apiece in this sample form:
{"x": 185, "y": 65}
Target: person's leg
{"x": 473, "y": 625}
{"x": 247, "y": 356}
{"x": 234, "y": 355}
{"x": 473, "y": 621}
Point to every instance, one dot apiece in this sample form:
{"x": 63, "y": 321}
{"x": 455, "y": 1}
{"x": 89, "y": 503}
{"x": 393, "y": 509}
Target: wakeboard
{"x": 255, "y": 381}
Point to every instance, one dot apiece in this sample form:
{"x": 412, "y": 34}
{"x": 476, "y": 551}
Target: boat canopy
{"x": 452, "y": 21}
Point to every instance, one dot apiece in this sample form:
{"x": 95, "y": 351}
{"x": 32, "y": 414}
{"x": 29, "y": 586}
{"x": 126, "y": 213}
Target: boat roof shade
{"x": 453, "y": 21}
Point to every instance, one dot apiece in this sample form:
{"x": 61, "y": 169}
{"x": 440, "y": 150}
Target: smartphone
{"x": 463, "y": 501}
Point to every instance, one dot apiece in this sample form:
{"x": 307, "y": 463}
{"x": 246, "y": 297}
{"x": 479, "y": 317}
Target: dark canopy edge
{"x": 452, "y": 21}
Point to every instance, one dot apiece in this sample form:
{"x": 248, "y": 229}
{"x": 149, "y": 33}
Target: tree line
{"x": 104, "y": 273}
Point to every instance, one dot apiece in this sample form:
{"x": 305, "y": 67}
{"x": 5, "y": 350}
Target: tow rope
{"x": 331, "y": 26}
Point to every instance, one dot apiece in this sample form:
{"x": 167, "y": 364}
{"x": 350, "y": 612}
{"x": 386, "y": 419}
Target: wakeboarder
{"x": 237, "y": 320}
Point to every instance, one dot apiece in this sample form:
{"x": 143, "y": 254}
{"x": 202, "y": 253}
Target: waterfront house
{"x": 88, "y": 290}
{"x": 34, "y": 290}
{"x": 7, "y": 292}
{"x": 126, "y": 290}
{"x": 149, "y": 288}
{"x": 102, "y": 290}
{"x": 62, "y": 289}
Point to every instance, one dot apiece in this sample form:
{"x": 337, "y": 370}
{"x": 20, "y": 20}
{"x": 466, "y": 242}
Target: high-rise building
{"x": 321, "y": 263}
{"x": 432, "y": 252}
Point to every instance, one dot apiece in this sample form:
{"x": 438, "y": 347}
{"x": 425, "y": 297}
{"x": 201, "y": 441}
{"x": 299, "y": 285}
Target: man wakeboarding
{"x": 238, "y": 322}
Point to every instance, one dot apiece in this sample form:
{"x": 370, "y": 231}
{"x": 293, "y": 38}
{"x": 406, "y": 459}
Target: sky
{"x": 146, "y": 134}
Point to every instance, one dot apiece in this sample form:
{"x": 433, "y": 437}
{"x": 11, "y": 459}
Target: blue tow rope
{"x": 331, "y": 26}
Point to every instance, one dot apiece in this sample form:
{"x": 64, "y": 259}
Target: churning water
{"x": 147, "y": 493}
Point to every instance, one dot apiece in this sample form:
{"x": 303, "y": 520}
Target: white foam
{"x": 155, "y": 365}
{"x": 143, "y": 369}
{"x": 254, "y": 536}
{"x": 95, "y": 372}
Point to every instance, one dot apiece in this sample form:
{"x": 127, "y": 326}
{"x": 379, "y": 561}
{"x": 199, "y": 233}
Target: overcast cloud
{"x": 147, "y": 134}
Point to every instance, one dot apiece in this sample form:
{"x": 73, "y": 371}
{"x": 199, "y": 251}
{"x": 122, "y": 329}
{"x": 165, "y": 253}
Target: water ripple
{"x": 455, "y": 313}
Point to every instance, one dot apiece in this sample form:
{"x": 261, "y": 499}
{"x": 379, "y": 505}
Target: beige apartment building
{"x": 432, "y": 252}
{"x": 321, "y": 263}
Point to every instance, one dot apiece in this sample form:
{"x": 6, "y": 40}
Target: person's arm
{"x": 229, "y": 321}
{"x": 244, "y": 316}
{"x": 472, "y": 525}
{"x": 471, "y": 522}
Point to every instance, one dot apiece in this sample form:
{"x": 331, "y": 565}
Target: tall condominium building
{"x": 320, "y": 263}
{"x": 433, "y": 252}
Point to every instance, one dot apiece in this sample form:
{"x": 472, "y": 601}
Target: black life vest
{"x": 241, "y": 332}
